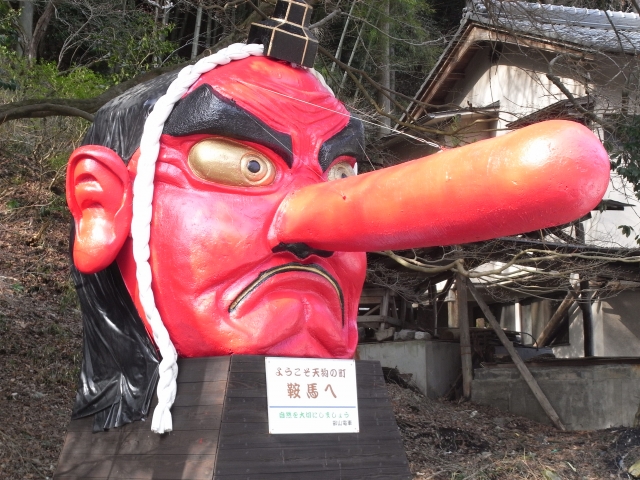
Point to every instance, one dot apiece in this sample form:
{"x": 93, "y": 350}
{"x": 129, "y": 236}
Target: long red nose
{"x": 540, "y": 176}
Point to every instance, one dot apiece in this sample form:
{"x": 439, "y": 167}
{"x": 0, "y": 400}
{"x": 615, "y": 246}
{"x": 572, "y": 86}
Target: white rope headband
{"x": 142, "y": 213}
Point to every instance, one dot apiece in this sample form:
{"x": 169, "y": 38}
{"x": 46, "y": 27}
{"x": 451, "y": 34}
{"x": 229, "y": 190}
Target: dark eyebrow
{"x": 206, "y": 111}
{"x": 349, "y": 141}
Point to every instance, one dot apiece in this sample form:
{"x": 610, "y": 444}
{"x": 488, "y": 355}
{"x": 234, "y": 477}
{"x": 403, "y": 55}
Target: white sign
{"x": 311, "y": 395}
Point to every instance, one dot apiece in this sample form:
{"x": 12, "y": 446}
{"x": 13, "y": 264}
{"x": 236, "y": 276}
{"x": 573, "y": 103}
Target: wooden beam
{"x": 394, "y": 307}
{"x": 524, "y": 371}
{"x": 556, "y": 319}
{"x": 587, "y": 318}
{"x": 465, "y": 335}
{"x": 433, "y": 293}
{"x": 379, "y": 319}
{"x": 372, "y": 310}
{"x": 384, "y": 307}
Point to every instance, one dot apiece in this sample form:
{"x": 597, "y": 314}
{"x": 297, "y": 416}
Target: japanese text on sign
{"x": 310, "y": 395}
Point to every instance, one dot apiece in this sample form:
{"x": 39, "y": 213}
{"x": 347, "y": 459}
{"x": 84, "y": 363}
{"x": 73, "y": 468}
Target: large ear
{"x": 99, "y": 197}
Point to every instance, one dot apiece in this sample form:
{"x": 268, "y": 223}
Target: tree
{"x": 132, "y": 43}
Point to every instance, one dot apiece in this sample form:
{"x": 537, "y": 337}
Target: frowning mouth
{"x": 289, "y": 267}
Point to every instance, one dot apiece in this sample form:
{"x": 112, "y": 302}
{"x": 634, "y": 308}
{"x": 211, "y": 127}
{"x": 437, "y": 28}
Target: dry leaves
{"x": 456, "y": 441}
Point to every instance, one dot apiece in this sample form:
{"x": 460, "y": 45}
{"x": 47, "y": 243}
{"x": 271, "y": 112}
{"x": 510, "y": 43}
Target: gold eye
{"x": 340, "y": 170}
{"x": 230, "y": 163}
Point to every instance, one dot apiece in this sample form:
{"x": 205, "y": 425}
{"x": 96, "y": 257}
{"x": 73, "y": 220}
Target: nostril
{"x": 300, "y": 250}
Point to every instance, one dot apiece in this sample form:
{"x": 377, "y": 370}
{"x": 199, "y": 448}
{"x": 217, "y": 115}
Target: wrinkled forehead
{"x": 288, "y": 99}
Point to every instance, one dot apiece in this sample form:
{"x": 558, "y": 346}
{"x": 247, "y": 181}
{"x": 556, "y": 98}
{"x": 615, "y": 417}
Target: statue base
{"x": 221, "y": 432}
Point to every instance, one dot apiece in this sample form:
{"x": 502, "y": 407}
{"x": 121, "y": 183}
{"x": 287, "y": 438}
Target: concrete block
{"x": 587, "y": 397}
{"x": 404, "y": 335}
{"x": 434, "y": 366}
{"x": 385, "y": 334}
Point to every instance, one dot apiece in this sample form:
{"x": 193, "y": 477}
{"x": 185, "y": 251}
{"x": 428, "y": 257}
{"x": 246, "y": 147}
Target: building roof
{"x": 598, "y": 29}
{"x": 528, "y": 24}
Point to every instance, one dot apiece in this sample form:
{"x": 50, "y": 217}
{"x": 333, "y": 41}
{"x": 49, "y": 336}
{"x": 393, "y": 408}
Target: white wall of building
{"x": 519, "y": 83}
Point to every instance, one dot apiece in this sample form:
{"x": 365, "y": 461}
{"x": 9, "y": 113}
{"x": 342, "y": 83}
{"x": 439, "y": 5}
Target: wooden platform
{"x": 221, "y": 432}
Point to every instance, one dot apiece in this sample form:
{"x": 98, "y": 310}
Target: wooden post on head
{"x": 465, "y": 335}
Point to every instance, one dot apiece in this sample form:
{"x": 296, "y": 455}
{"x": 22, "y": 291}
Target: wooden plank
{"x": 371, "y": 300}
{"x": 203, "y": 393}
{"x": 352, "y": 474}
{"x": 379, "y": 319}
{"x": 235, "y": 359}
{"x": 71, "y": 464}
{"x": 87, "y": 455}
{"x": 249, "y": 367}
{"x": 370, "y": 381}
{"x": 368, "y": 367}
{"x": 85, "y": 442}
{"x": 207, "y": 369}
{"x": 189, "y": 452}
{"x": 241, "y": 410}
{"x": 371, "y": 311}
{"x": 58, "y": 477}
{"x": 188, "y": 442}
{"x": 163, "y": 467}
{"x": 522, "y": 368}
{"x": 301, "y": 455}
{"x": 81, "y": 424}
{"x": 377, "y": 391}
{"x": 247, "y": 384}
{"x": 373, "y": 292}
{"x": 245, "y": 436}
{"x": 465, "y": 335}
{"x": 556, "y": 319}
{"x": 384, "y": 306}
{"x": 201, "y": 417}
{"x": 303, "y": 459}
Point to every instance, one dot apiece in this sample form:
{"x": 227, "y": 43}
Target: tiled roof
{"x": 582, "y": 26}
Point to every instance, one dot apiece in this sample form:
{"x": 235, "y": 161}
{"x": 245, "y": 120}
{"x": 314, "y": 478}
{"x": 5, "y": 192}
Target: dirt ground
{"x": 449, "y": 440}
{"x": 40, "y": 348}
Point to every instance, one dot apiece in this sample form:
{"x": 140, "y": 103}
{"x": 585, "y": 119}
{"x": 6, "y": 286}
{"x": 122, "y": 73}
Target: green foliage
{"x": 624, "y": 146}
{"x": 13, "y": 203}
{"x": 8, "y": 22}
{"x": 119, "y": 43}
{"x": 42, "y": 79}
{"x": 627, "y": 231}
{"x": 128, "y": 56}
{"x": 90, "y": 46}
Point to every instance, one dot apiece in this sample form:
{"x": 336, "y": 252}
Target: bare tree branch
{"x": 74, "y": 107}
{"x": 563, "y": 88}
{"x": 326, "y": 19}
{"x": 41, "y": 110}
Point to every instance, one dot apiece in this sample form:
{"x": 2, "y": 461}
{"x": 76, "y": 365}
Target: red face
{"x": 249, "y": 231}
{"x": 219, "y": 284}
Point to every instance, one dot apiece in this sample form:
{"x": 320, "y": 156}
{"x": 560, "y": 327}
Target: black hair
{"x": 119, "y": 123}
{"x": 120, "y": 363}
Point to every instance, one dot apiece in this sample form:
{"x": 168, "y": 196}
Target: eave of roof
{"x": 477, "y": 26}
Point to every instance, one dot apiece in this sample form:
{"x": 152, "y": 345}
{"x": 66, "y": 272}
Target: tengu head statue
{"x": 224, "y": 201}
{"x": 244, "y": 137}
